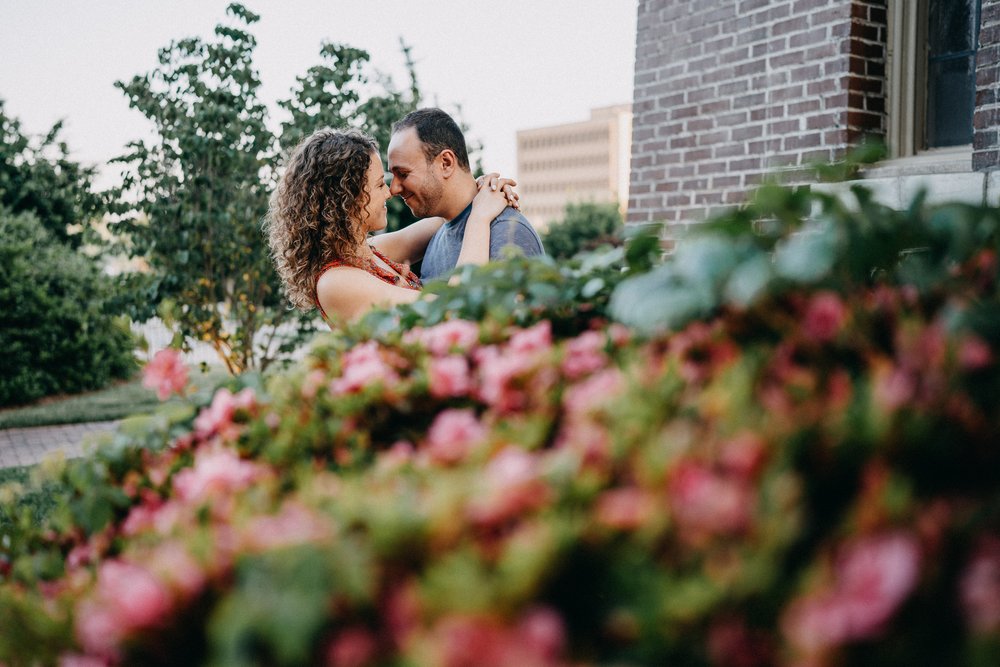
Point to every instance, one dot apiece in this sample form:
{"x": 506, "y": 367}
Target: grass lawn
{"x": 114, "y": 402}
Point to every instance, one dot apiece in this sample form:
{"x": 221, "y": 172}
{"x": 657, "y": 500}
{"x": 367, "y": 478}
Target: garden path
{"x": 27, "y": 446}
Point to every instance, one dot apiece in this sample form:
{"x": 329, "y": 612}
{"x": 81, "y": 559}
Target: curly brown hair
{"x": 315, "y": 213}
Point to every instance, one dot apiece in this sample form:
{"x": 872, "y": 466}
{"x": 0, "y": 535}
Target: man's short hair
{"x": 436, "y": 131}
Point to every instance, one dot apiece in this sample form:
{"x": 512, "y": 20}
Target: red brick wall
{"x": 727, "y": 91}
{"x": 986, "y": 121}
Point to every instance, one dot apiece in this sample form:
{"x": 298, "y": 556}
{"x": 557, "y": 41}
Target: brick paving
{"x": 27, "y": 446}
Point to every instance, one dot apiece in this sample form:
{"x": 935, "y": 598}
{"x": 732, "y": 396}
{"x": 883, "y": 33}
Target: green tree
{"x": 37, "y": 176}
{"x": 584, "y": 226}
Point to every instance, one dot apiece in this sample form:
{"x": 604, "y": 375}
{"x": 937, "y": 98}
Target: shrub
{"x": 801, "y": 473}
{"x": 585, "y": 226}
{"x": 54, "y": 334}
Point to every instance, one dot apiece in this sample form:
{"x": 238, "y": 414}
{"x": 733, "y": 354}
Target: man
{"x": 430, "y": 171}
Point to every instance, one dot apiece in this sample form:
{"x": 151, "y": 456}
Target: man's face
{"x": 414, "y": 179}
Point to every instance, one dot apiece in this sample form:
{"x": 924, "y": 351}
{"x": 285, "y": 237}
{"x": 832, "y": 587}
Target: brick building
{"x": 727, "y": 91}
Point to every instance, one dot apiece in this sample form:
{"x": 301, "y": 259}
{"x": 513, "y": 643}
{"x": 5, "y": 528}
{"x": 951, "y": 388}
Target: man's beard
{"x": 429, "y": 201}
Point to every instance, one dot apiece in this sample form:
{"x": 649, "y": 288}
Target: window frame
{"x": 906, "y": 68}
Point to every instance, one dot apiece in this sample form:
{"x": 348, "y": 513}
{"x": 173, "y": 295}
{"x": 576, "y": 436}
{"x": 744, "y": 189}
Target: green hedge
{"x": 777, "y": 446}
{"x": 54, "y": 334}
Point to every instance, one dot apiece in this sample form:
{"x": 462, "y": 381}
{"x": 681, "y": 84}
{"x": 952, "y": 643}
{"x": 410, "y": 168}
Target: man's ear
{"x": 448, "y": 162}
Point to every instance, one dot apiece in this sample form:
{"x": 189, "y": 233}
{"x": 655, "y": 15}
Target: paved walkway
{"x": 26, "y": 446}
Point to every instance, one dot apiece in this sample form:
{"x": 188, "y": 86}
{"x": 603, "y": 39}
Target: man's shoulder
{"x": 519, "y": 232}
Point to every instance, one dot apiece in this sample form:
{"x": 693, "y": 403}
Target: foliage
{"x": 584, "y": 226}
{"x": 192, "y": 205}
{"x": 55, "y": 333}
{"x": 807, "y": 474}
{"x": 39, "y": 177}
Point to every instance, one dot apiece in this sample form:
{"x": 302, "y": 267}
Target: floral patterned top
{"x": 403, "y": 276}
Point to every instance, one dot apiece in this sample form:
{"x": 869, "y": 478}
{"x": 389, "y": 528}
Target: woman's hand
{"x": 494, "y": 181}
{"x": 491, "y": 199}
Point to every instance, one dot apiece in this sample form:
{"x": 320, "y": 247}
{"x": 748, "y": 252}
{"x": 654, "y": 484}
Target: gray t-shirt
{"x": 508, "y": 228}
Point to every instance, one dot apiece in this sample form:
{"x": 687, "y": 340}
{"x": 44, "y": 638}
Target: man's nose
{"x": 394, "y": 187}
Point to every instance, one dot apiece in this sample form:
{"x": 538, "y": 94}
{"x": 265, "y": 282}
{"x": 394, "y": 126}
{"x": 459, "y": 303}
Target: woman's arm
{"x": 348, "y": 292}
{"x": 408, "y": 244}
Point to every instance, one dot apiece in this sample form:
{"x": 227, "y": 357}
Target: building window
{"x": 932, "y": 73}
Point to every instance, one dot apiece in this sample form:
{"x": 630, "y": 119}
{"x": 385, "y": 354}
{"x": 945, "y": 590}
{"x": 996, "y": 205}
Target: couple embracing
{"x": 332, "y": 198}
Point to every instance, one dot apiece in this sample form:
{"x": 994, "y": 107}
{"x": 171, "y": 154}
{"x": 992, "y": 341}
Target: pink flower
{"x": 177, "y": 569}
{"x": 624, "y": 509}
{"x": 450, "y": 336}
{"x": 536, "y": 641}
{"x": 312, "y": 383}
{"x": 511, "y": 485}
{"x": 293, "y": 524}
{"x": 824, "y": 317}
{"x": 363, "y": 366}
{"x": 584, "y": 354}
{"x": 449, "y": 376}
{"x": 352, "y": 647}
{"x": 166, "y": 373}
{"x": 873, "y": 577}
{"x": 974, "y": 353}
{"x": 705, "y": 502}
{"x": 452, "y": 435}
{"x": 980, "y": 587}
{"x": 218, "y": 417}
{"x": 217, "y": 472}
{"x": 126, "y": 598}
{"x": 743, "y": 456}
{"x": 537, "y": 338}
{"x": 498, "y": 373}
{"x": 594, "y": 392}
{"x": 74, "y": 660}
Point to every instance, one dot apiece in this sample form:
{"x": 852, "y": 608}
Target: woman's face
{"x": 374, "y": 215}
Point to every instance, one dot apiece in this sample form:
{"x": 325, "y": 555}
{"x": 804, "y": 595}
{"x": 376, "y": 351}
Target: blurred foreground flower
{"x": 166, "y": 373}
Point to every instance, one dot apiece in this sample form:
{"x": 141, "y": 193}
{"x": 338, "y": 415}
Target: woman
{"x": 331, "y": 197}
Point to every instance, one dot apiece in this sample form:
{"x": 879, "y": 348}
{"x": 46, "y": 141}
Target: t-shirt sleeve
{"x": 506, "y": 232}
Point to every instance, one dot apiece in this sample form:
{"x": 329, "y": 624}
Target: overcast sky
{"x": 510, "y": 65}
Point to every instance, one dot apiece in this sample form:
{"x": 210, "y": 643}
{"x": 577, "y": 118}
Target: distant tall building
{"x": 587, "y": 161}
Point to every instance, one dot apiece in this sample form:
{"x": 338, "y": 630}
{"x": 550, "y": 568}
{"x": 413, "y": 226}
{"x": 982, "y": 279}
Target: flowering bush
{"x": 806, "y": 477}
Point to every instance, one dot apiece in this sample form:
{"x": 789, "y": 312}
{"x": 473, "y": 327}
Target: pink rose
{"x": 468, "y": 641}
{"x": 126, "y": 598}
{"x": 511, "y": 485}
{"x": 293, "y": 524}
{"x": 974, "y": 353}
{"x": 624, "y": 509}
{"x": 216, "y": 471}
{"x": 449, "y": 376}
{"x": 166, "y": 373}
{"x": 980, "y": 586}
{"x": 824, "y": 317}
{"x": 363, "y": 366}
{"x": 450, "y": 336}
{"x": 497, "y": 375}
{"x": 705, "y": 502}
{"x": 174, "y": 565}
{"x": 593, "y": 393}
{"x": 352, "y": 647}
{"x": 217, "y": 418}
{"x": 537, "y": 338}
{"x": 874, "y": 575}
{"x": 743, "y": 456}
{"x": 584, "y": 354}
{"x": 452, "y": 435}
